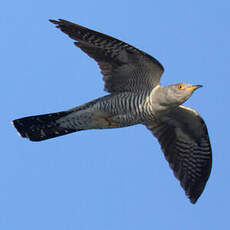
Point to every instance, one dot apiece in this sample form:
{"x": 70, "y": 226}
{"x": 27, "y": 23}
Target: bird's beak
{"x": 194, "y": 87}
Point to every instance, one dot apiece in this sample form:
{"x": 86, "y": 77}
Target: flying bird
{"x": 132, "y": 79}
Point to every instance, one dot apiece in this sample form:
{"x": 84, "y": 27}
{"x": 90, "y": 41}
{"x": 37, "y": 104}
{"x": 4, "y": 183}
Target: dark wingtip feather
{"x": 60, "y": 22}
{"x": 193, "y": 197}
{"x": 193, "y": 200}
{"x": 53, "y": 21}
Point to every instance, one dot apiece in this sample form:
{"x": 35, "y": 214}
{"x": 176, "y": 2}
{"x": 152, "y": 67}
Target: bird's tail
{"x": 42, "y": 127}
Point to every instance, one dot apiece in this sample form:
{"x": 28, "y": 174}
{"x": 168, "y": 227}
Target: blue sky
{"x": 108, "y": 179}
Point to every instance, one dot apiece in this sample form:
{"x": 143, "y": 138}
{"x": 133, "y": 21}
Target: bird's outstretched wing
{"x": 124, "y": 67}
{"x": 184, "y": 140}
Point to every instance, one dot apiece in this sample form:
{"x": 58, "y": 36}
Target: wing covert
{"x": 124, "y": 67}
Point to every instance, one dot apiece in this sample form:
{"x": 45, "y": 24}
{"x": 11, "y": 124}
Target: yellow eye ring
{"x": 180, "y": 86}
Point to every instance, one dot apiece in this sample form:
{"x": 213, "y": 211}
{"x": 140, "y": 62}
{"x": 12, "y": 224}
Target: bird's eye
{"x": 180, "y": 86}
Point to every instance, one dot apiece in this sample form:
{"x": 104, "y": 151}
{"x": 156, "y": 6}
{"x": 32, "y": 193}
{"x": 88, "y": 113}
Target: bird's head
{"x": 180, "y": 92}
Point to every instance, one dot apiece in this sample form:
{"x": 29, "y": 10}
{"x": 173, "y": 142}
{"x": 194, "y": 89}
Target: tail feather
{"x": 42, "y": 127}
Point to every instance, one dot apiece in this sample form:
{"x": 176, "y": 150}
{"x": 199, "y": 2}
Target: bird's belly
{"x": 104, "y": 121}
{"x": 115, "y": 111}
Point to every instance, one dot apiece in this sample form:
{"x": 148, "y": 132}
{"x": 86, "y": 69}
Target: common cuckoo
{"x": 132, "y": 78}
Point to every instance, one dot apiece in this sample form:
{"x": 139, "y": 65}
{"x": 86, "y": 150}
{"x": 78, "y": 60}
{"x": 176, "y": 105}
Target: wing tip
{"x": 193, "y": 199}
{"x": 53, "y": 21}
{"x": 194, "y": 192}
{"x": 60, "y": 22}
